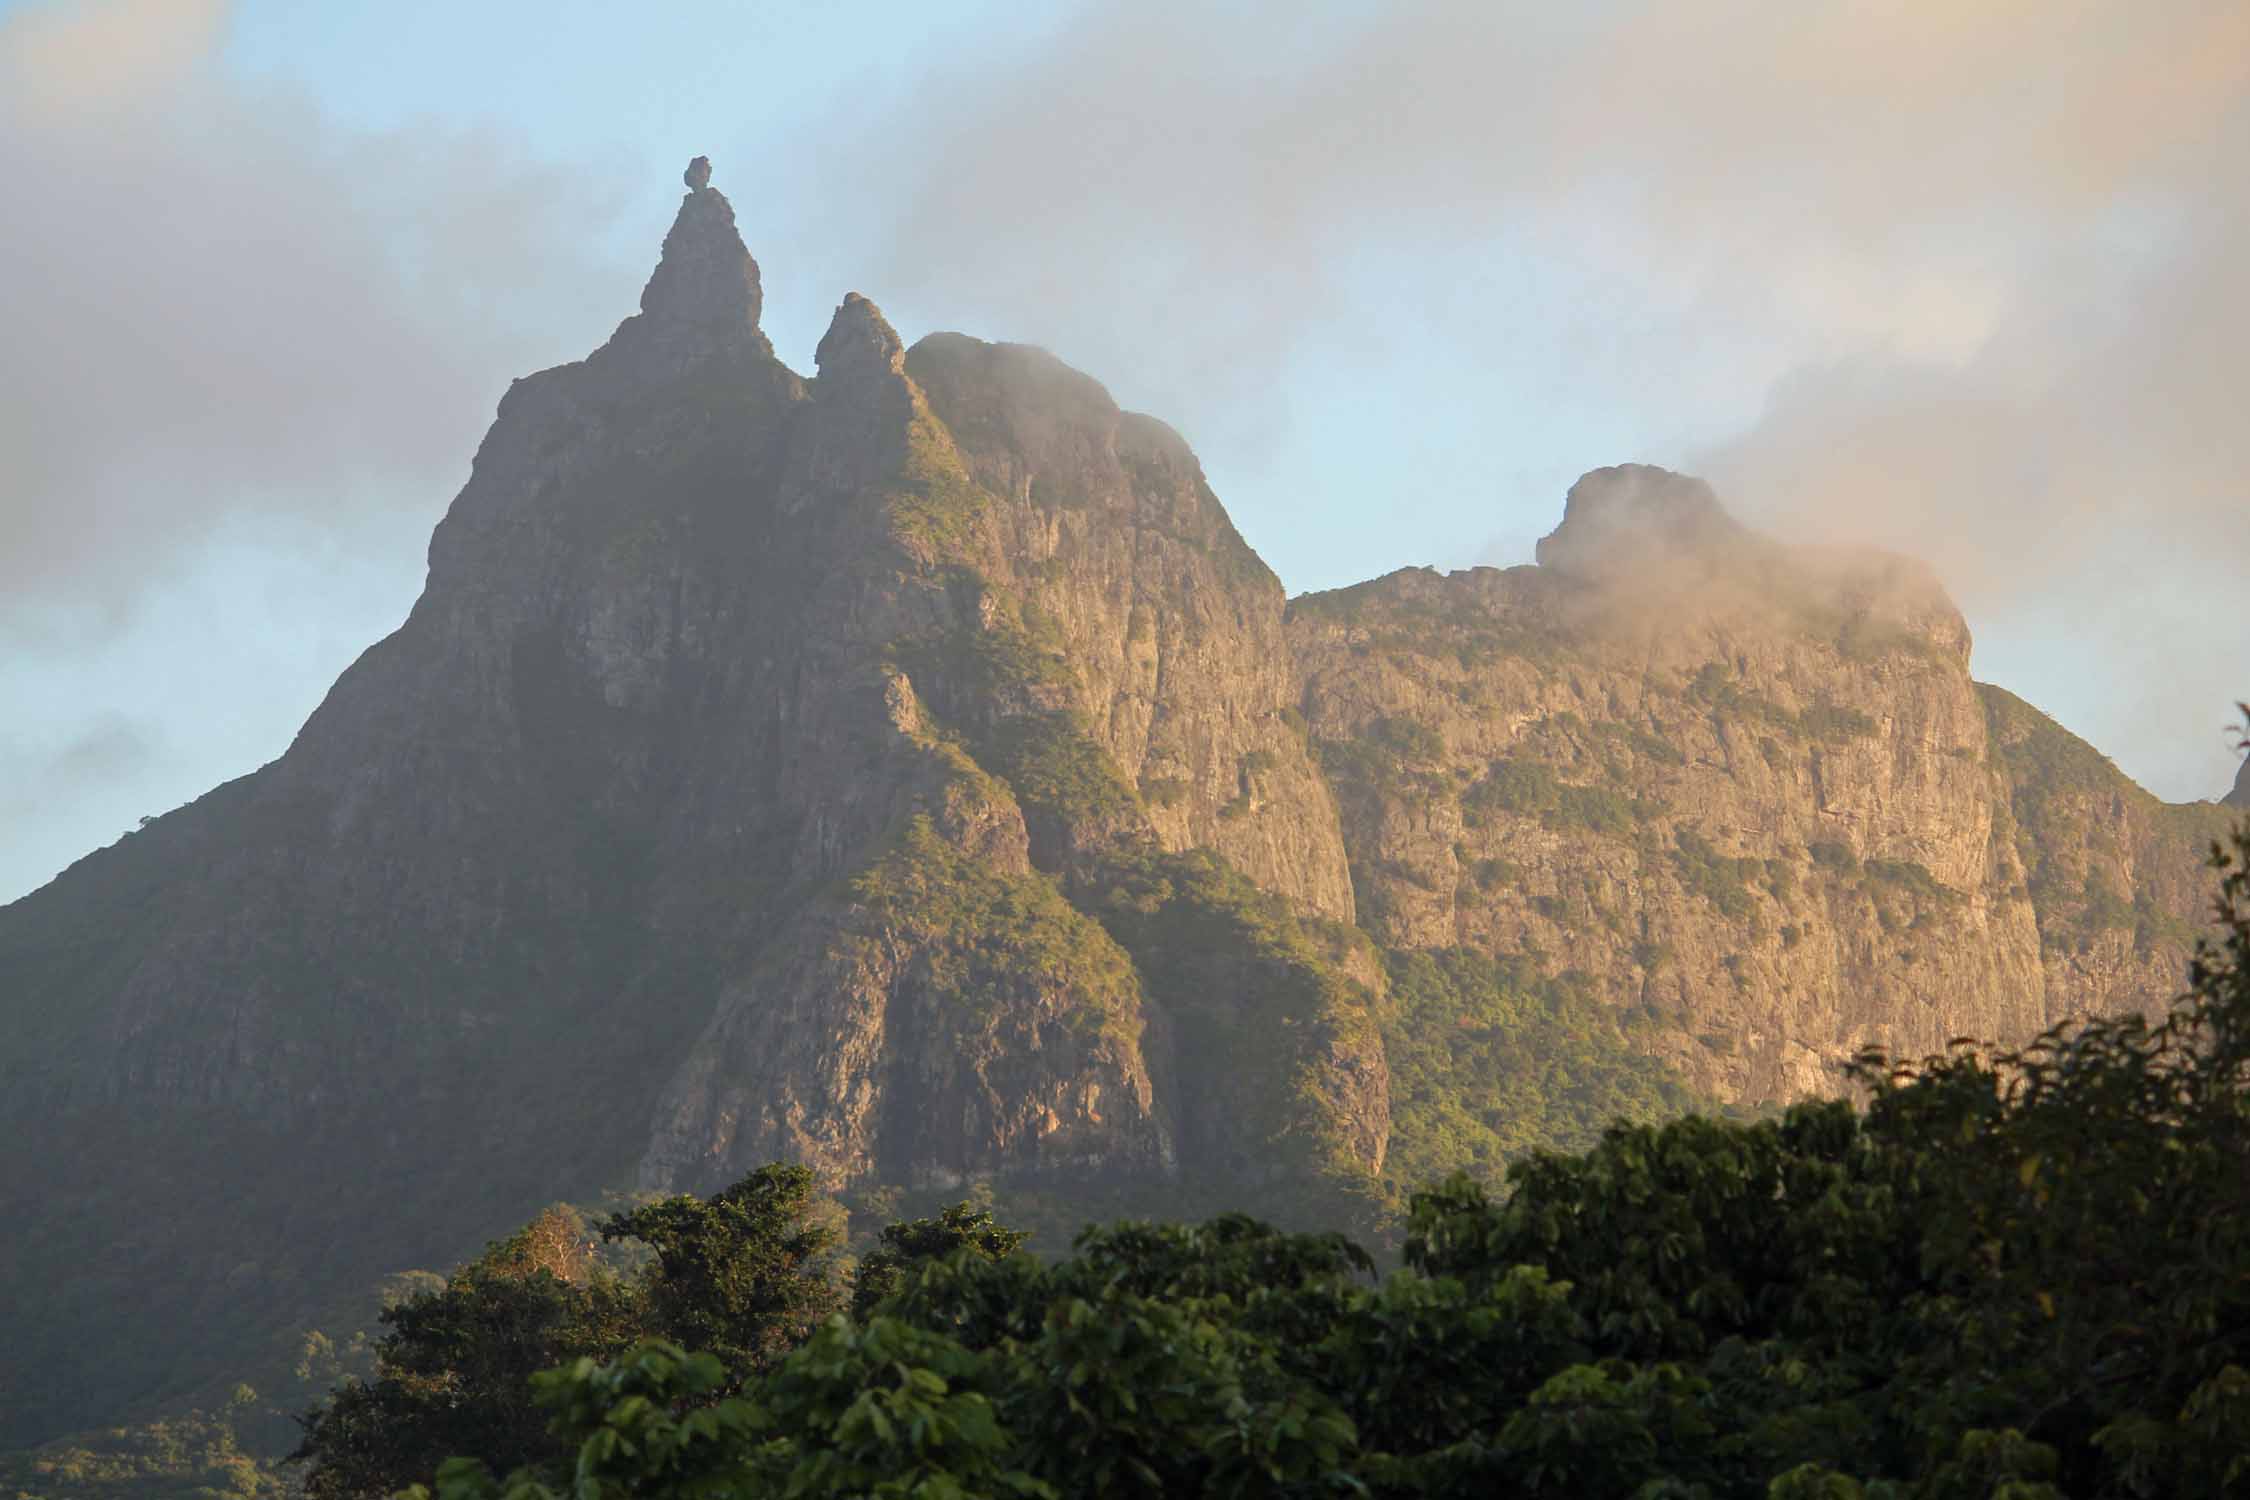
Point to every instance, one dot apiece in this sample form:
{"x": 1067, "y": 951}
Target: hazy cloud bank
{"x": 248, "y": 356}
{"x": 1960, "y": 277}
{"x": 220, "y": 305}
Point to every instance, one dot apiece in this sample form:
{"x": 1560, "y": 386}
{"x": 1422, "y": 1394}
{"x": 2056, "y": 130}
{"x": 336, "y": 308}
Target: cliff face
{"x": 1749, "y": 791}
{"x": 910, "y": 771}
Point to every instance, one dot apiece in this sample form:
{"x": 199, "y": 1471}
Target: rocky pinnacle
{"x": 706, "y": 275}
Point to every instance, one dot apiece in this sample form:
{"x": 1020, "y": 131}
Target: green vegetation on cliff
{"x": 1277, "y": 1049}
{"x": 935, "y": 507}
{"x": 1491, "y": 1061}
{"x": 1530, "y": 789}
{"x": 976, "y": 931}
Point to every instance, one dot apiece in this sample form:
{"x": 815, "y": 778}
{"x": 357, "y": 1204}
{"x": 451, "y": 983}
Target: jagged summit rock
{"x": 2240, "y": 796}
{"x": 859, "y": 341}
{"x": 704, "y": 297}
{"x": 698, "y": 174}
{"x": 1625, "y": 518}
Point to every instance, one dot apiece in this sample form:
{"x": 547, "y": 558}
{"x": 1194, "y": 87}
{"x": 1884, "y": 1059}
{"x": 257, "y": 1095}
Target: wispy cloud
{"x": 246, "y": 351}
{"x": 220, "y": 305}
{"x": 1969, "y": 270}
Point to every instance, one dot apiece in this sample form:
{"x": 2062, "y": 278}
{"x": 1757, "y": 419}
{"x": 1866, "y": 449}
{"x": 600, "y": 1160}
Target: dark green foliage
{"x": 2152, "y": 924}
{"x": 1004, "y": 658}
{"x": 1366, "y": 765}
{"x": 1530, "y": 789}
{"x": 747, "y": 1272}
{"x": 1490, "y": 1061}
{"x": 1268, "y": 1028}
{"x": 1397, "y": 756}
{"x": 2021, "y": 1275}
{"x": 1409, "y": 739}
{"x": 1915, "y": 878}
{"x": 981, "y": 929}
{"x": 1829, "y": 855}
{"x": 1825, "y": 720}
{"x": 744, "y": 1274}
{"x": 903, "y": 1247}
{"x": 1491, "y": 874}
{"x": 935, "y": 507}
{"x": 1641, "y": 742}
{"x": 1722, "y": 880}
{"x": 196, "y": 1454}
{"x": 1069, "y": 788}
{"x": 2103, "y": 907}
{"x": 454, "y": 1367}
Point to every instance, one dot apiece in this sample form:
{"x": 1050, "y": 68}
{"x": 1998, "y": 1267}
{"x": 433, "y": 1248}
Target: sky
{"x": 1961, "y": 278}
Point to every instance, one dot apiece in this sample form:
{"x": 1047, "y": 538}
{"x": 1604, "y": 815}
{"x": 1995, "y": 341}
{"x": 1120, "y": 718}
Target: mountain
{"x": 910, "y": 770}
{"x": 1751, "y": 790}
{"x": 2240, "y": 796}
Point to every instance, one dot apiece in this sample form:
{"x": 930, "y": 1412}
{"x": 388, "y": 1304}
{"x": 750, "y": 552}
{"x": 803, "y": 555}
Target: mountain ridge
{"x": 909, "y": 769}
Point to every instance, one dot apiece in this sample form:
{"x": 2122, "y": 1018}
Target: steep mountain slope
{"x": 909, "y": 770}
{"x": 1748, "y": 792}
{"x": 675, "y": 745}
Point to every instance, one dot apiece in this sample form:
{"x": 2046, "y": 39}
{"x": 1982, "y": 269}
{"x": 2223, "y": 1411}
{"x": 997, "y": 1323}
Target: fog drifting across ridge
{"x": 1958, "y": 277}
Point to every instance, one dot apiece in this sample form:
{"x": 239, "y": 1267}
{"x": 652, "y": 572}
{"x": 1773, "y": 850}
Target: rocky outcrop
{"x": 2240, "y": 796}
{"x": 1128, "y": 571}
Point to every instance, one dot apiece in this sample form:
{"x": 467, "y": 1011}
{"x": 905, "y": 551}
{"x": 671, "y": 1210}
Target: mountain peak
{"x": 706, "y": 276}
{"x": 859, "y": 341}
{"x": 1622, "y": 518}
{"x": 2240, "y": 796}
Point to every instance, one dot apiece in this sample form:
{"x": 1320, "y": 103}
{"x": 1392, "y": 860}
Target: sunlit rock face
{"x": 909, "y": 770}
{"x": 1750, "y": 790}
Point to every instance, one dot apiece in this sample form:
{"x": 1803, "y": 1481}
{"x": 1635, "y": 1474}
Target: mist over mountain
{"x": 910, "y": 771}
